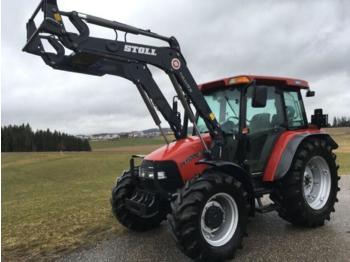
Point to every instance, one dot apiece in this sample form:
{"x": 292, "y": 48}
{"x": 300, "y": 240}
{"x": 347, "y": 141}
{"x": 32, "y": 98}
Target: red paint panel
{"x": 277, "y": 152}
{"x": 185, "y": 152}
{"x": 283, "y": 81}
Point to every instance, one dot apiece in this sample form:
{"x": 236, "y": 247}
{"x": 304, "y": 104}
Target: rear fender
{"x": 235, "y": 171}
{"x": 282, "y": 156}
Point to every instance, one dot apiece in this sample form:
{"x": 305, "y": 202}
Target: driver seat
{"x": 260, "y": 122}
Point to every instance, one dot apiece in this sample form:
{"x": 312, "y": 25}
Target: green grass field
{"x": 53, "y": 203}
{"x": 342, "y": 137}
{"x": 124, "y": 142}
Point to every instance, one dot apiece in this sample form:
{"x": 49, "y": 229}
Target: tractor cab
{"x": 253, "y": 111}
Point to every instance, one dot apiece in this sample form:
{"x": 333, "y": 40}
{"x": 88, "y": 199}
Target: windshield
{"x": 225, "y": 105}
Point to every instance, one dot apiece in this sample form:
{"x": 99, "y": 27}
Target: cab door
{"x": 263, "y": 123}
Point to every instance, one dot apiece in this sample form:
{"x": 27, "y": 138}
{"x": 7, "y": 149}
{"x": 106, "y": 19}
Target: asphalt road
{"x": 270, "y": 239}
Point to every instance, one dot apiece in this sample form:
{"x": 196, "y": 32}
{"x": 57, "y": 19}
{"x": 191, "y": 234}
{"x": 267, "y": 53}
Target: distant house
{"x": 136, "y": 134}
{"x": 154, "y": 134}
{"x": 104, "y": 136}
{"x": 112, "y": 136}
{"x": 83, "y": 136}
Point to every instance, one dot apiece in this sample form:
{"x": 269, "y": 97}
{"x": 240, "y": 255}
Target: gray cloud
{"x": 303, "y": 39}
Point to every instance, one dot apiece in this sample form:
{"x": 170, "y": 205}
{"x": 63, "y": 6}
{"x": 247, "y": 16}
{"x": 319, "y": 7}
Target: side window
{"x": 264, "y": 118}
{"x": 294, "y": 109}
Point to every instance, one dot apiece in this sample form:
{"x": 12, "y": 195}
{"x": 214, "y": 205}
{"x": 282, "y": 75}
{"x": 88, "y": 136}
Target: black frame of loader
{"x": 97, "y": 56}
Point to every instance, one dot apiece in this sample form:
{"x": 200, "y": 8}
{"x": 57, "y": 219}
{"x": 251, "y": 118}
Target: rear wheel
{"x": 124, "y": 189}
{"x": 307, "y": 194}
{"x": 209, "y": 216}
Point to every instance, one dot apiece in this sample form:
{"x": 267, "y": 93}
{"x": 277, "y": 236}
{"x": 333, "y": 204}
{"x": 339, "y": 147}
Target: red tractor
{"x": 250, "y": 138}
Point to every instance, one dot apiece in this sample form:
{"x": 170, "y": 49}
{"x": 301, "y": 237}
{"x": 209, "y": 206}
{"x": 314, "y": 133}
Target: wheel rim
{"x": 219, "y": 219}
{"x": 317, "y": 182}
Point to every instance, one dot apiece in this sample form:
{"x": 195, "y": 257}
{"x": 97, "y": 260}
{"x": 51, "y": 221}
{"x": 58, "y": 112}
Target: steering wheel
{"x": 233, "y": 117}
{"x": 229, "y": 126}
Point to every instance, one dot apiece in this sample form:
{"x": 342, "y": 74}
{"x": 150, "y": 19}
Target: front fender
{"x": 235, "y": 171}
{"x": 284, "y": 150}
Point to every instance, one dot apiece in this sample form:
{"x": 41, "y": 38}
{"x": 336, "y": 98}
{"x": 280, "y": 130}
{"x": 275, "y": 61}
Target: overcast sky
{"x": 303, "y": 39}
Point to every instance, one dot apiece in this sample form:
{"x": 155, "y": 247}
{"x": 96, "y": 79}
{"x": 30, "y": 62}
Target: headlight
{"x": 148, "y": 173}
{"x": 161, "y": 175}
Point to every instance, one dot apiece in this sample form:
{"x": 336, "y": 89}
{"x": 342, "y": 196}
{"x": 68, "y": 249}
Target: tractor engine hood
{"x": 185, "y": 153}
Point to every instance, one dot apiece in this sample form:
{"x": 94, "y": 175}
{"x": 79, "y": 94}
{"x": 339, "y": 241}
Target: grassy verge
{"x": 125, "y": 142}
{"x": 342, "y": 137}
{"x": 343, "y": 160}
{"x": 55, "y": 202}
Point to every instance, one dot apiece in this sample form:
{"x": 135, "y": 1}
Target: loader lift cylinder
{"x": 152, "y": 111}
{"x": 188, "y": 110}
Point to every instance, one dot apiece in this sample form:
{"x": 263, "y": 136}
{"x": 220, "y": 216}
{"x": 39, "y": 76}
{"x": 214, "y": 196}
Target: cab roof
{"x": 245, "y": 79}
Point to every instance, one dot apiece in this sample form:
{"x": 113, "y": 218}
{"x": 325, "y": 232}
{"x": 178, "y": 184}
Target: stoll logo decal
{"x": 140, "y": 50}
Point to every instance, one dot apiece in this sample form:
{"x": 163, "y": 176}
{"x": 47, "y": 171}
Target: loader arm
{"x": 98, "y": 56}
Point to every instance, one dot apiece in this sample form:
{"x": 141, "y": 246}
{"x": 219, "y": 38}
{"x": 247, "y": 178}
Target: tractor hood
{"x": 185, "y": 153}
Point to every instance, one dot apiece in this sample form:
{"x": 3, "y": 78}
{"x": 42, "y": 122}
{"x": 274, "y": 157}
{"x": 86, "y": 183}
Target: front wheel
{"x": 123, "y": 190}
{"x": 209, "y": 216}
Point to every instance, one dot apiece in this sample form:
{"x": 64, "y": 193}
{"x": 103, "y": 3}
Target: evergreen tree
{"x": 334, "y": 122}
{"x": 23, "y": 139}
{"x": 28, "y": 139}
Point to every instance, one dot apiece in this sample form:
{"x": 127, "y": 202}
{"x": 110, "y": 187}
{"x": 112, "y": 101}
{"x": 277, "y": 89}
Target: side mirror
{"x": 319, "y": 119}
{"x": 310, "y": 93}
{"x": 259, "y": 96}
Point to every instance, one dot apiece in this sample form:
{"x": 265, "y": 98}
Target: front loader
{"x": 250, "y": 138}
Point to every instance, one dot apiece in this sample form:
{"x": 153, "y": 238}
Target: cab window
{"x": 294, "y": 109}
{"x": 264, "y": 118}
{"x": 225, "y": 104}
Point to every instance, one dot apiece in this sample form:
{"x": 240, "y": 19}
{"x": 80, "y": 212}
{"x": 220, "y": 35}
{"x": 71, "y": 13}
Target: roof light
{"x": 238, "y": 80}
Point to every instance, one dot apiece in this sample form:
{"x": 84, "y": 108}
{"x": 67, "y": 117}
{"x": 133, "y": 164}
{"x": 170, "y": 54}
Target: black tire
{"x": 293, "y": 205}
{"x": 185, "y": 218}
{"x": 124, "y": 189}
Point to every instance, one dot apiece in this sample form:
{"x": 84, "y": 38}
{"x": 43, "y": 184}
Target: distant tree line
{"x": 23, "y": 139}
{"x": 341, "y": 121}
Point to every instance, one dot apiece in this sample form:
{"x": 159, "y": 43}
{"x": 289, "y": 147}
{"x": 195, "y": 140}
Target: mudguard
{"x": 284, "y": 150}
{"x": 236, "y": 171}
